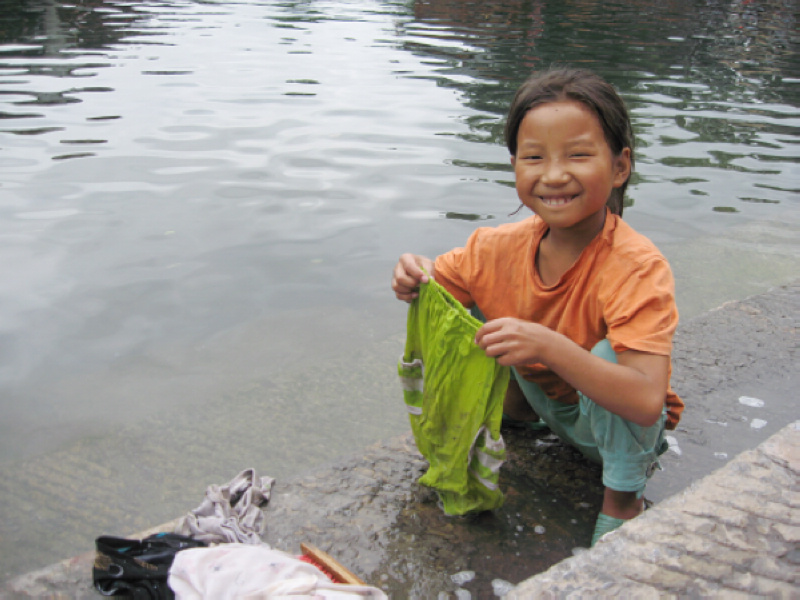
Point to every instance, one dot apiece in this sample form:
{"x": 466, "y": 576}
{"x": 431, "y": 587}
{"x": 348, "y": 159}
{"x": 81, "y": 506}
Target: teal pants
{"x": 628, "y": 452}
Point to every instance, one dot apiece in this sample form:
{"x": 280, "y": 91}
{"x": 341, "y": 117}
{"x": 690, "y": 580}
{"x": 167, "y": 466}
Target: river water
{"x": 201, "y": 203}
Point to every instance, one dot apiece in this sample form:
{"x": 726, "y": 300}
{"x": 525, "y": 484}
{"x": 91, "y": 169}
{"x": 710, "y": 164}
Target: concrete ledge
{"x": 733, "y": 534}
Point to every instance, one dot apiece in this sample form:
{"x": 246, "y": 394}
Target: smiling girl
{"x": 578, "y": 303}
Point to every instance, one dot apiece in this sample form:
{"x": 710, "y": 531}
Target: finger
{"x": 426, "y": 266}
{"x": 505, "y": 360}
{"x": 487, "y": 329}
{"x": 502, "y": 353}
{"x": 404, "y": 293}
{"x": 493, "y": 343}
{"x": 494, "y": 350}
{"x": 402, "y": 281}
{"x": 414, "y": 266}
{"x": 406, "y": 297}
{"x": 408, "y": 273}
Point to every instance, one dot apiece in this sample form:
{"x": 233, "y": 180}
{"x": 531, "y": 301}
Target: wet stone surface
{"x": 736, "y": 367}
{"x": 371, "y": 515}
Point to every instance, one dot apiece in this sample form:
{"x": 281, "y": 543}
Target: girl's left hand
{"x": 513, "y": 342}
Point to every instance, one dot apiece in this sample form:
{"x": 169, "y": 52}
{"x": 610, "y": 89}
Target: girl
{"x": 579, "y": 304}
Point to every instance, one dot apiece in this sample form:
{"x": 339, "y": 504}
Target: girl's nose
{"x": 554, "y": 173}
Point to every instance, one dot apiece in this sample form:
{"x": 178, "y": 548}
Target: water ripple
{"x": 173, "y": 172}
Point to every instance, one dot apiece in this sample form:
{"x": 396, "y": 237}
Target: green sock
{"x": 604, "y": 525}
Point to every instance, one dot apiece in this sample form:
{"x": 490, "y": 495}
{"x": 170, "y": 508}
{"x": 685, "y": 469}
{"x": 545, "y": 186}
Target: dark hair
{"x": 590, "y": 90}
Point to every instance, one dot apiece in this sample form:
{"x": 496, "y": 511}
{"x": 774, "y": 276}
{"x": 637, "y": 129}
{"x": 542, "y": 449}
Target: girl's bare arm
{"x": 634, "y": 389}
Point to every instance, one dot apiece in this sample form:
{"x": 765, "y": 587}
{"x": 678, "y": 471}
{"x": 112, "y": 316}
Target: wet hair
{"x": 591, "y": 90}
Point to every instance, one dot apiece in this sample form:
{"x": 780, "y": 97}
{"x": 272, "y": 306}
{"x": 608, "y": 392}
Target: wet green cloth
{"x": 454, "y": 394}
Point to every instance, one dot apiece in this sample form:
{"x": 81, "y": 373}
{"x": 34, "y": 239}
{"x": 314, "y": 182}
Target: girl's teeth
{"x": 556, "y": 201}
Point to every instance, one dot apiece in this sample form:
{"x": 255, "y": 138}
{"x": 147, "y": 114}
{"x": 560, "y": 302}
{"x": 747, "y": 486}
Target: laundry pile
{"x": 216, "y": 552}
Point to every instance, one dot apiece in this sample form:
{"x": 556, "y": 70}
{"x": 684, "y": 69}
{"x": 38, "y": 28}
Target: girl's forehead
{"x": 561, "y": 105}
{"x": 552, "y": 117}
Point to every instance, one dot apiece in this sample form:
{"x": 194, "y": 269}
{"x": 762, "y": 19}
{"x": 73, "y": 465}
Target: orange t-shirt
{"x": 620, "y": 289}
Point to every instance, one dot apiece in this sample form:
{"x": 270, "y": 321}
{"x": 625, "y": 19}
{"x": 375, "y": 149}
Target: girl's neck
{"x": 561, "y": 248}
{"x": 574, "y": 239}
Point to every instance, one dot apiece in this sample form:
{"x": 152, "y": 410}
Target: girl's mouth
{"x": 556, "y": 200}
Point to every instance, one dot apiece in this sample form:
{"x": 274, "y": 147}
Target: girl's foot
{"x": 618, "y": 507}
{"x": 604, "y": 525}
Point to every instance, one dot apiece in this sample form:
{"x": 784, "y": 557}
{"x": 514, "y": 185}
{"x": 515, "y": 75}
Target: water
{"x": 201, "y": 202}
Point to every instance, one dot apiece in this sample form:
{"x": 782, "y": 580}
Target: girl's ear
{"x": 513, "y": 160}
{"x": 622, "y": 167}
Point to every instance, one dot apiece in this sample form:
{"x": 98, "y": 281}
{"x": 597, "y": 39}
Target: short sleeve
{"x": 639, "y": 307}
{"x": 456, "y": 270}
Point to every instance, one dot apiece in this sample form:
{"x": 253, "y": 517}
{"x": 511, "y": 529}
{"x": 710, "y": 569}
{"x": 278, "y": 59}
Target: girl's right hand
{"x": 408, "y": 274}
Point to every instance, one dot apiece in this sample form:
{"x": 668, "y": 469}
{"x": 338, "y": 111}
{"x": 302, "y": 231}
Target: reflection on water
{"x": 200, "y": 203}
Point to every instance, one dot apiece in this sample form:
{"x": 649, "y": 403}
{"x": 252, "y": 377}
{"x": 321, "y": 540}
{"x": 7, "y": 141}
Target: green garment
{"x": 454, "y": 394}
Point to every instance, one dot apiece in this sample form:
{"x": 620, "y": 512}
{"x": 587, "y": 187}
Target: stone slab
{"x": 713, "y": 540}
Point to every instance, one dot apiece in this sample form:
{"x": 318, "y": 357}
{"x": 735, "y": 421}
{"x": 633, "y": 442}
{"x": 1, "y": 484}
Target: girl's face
{"x": 564, "y": 168}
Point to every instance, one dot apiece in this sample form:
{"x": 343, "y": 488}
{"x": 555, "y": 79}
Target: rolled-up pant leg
{"x": 628, "y": 452}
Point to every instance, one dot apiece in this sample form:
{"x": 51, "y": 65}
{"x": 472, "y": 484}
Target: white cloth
{"x": 255, "y": 572}
{"x": 230, "y": 513}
